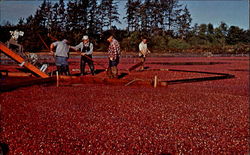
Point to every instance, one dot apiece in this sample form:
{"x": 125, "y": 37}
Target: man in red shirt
{"x": 114, "y": 57}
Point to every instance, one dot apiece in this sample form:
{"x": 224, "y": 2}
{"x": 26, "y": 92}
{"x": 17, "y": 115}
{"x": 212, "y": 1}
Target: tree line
{"x": 167, "y": 24}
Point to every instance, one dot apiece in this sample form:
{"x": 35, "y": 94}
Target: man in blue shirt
{"x": 61, "y": 56}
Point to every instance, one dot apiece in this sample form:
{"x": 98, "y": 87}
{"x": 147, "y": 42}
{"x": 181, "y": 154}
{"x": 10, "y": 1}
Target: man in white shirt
{"x": 143, "y": 51}
{"x": 86, "y": 48}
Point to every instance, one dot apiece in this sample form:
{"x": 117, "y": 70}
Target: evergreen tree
{"x": 72, "y": 18}
{"x": 93, "y": 21}
{"x": 130, "y": 14}
{"x": 202, "y": 34}
{"x": 113, "y": 14}
{"x": 195, "y": 29}
{"x": 21, "y": 22}
{"x": 133, "y": 14}
{"x": 246, "y": 38}
{"x": 210, "y": 34}
{"x": 220, "y": 33}
{"x": 55, "y": 22}
{"x": 37, "y": 24}
{"x": 82, "y": 8}
{"x": 103, "y": 13}
{"x": 49, "y": 15}
{"x": 171, "y": 10}
{"x": 145, "y": 13}
{"x": 210, "y": 29}
{"x": 43, "y": 15}
{"x": 202, "y": 29}
{"x": 223, "y": 28}
{"x": 136, "y": 24}
{"x": 235, "y": 35}
{"x": 157, "y": 18}
{"x": 61, "y": 15}
{"x": 109, "y": 13}
{"x": 40, "y": 16}
{"x": 184, "y": 22}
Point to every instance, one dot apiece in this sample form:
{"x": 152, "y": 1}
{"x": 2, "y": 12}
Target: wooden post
{"x": 155, "y": 82}
{"x": 57, "y": 79}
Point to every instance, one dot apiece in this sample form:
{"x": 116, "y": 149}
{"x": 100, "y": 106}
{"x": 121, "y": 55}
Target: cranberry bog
{"x": 177, "y": 105}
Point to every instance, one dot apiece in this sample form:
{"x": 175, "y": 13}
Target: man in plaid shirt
{"x": 114, "y": 57}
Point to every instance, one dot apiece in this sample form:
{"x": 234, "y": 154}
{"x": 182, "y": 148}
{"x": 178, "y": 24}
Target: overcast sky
{"x": 232, "y": 12}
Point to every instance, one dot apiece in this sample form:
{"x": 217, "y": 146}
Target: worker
{"x": 61, "y": 56}
{"x": 143, "y": 51}
{"x": 86, "y": 49}
{"x": 114, "y": 57}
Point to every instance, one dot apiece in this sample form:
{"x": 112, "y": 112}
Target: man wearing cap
{"x": 61, "y": 56}
{"x": 114, "y": 57}
{"x": 86, "y": 54}
{"x": 143, "y": 51}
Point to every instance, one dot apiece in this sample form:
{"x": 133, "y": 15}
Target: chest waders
{"x": 112, "y": 71}
{"x": 85, "y": 60}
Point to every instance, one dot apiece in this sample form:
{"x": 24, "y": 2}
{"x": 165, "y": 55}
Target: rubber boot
{"x": 109, "y": 73}
{"x": 63, "y": 70}
{"x": 67, "y": 70}
{"x": 92, "y": 70}
{"x": 143, "y": 61}
{"x": 83, "y": 69}
{"x": 114, "y": 71}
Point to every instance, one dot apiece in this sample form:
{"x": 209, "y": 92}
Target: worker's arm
{"x": 51, "y": 48}
{"x": 77, "y": 47}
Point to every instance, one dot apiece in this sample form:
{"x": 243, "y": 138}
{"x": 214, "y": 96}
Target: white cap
{"x": 85, "y": 38}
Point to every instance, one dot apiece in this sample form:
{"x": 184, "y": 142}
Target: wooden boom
{"x": 22, "y": 61}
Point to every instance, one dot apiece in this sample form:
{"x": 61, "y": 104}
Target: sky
{"x": 232, "y": 12}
